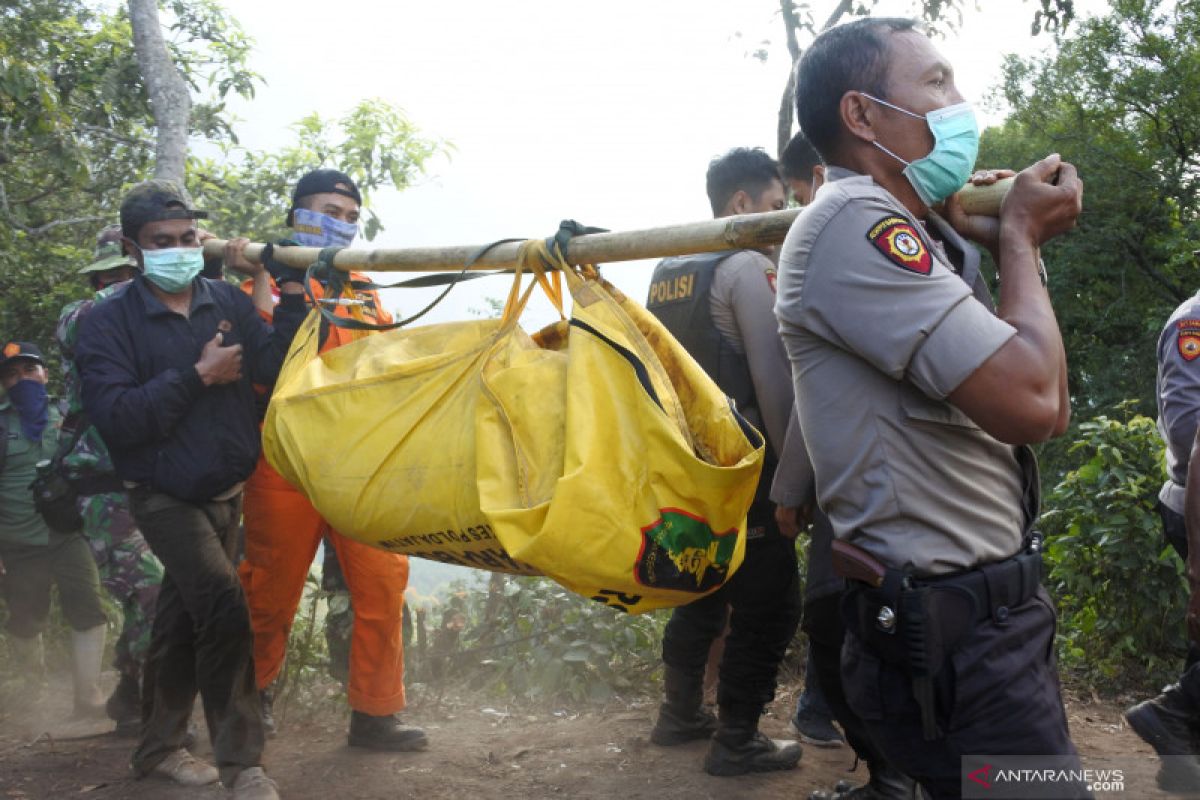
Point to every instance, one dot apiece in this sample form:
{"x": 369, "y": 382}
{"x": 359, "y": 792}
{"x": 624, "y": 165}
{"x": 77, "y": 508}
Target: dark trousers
{"x": 764, "y": 601}
{"x": 997, "y": 694}
{"x": 1175, "y": 532}
{"x": 64, "y": 561}
{"x": 201, "y": 640}
{"x": 826, "y": 632}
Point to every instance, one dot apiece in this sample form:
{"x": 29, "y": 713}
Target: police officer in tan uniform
{"x": 718, "y": 305}
{"x": 916, "y": 400}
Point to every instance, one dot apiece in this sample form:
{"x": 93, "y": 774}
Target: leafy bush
{"x": 531, "y": 639}
{"x": 1120, "y": 587}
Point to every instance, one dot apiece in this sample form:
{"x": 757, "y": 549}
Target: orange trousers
{"x": 283, "y": 531}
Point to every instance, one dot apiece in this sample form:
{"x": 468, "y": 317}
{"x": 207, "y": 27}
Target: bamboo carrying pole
{"x": 726, "y": 233}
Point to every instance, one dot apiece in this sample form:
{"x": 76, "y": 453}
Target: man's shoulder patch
{"x": 771, "y": 279}
{"x": 1187, "y": 338}
{"x": 896, "y": 238}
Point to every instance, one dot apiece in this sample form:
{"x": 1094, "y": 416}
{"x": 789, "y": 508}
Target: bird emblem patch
{"x": 896, "y": 239}
{"x": 1187, "y": 338}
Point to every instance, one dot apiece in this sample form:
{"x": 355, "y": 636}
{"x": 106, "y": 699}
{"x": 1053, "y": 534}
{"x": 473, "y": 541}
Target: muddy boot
{"x": 87, "y": 653}
{"x": 682, "y": 717}
{"x": 384, "y": 733}
{"x": 124, "y": 706}
{"x": 1165, "y": 723}
{"x": 738, "y": 747}
{"x": 266, "y": 699}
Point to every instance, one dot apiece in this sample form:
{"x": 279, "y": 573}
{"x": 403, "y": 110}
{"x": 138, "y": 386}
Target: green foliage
{"x": 531, "y": 639}
{"x": 1121, "y": 100}
{"x": 1120, "y": 588}
{"x": 249, "y": 193}
{"x": 76, "y": 129}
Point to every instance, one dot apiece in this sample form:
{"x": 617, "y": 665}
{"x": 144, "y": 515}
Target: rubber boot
{"x": 682, "y": 717}
{"x": 124, "y": 706}
{"x": 738, "y": 747}
{"x": 1165, "y": 723}
{"x": 87, "y": 653}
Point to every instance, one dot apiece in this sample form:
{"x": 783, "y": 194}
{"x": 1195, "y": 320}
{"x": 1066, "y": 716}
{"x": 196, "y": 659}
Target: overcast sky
{"x": 607, "y": 113}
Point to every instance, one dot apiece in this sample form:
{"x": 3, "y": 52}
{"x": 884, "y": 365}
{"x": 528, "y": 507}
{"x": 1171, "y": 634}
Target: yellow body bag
{"x": 597, "y": 452}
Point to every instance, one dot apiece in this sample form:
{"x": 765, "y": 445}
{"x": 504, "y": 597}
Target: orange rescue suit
{"x": 283, "y": 532}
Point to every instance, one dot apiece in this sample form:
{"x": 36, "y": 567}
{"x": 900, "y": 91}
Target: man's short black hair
{"x": 849, "y": 57}
{"x": 747, "y": 169}
{"x": 798, "y": 158}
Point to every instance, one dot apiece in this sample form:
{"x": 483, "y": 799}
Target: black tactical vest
{"x": 680, "y": 296}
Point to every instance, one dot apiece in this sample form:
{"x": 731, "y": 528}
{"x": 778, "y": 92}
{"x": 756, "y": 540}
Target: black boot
{"x": 682, "y": 717}
{"x": 886, "y": 783}
{"x": 266, "y": 699}
{"x": 738, "y": 747}
{"x": 124, "y": 706}
{"x": 1165, "y": 723}
{"x": 384, "y": 733}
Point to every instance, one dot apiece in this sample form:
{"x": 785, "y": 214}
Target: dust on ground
{"x": 479, "y": 749}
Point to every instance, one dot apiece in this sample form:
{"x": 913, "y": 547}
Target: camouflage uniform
{"x": 128, "y": 570}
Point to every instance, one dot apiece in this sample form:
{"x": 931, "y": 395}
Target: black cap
{"x": 320, "y": 181}
{"x": 152, "y": 201}
{"x": 14, "y": 350}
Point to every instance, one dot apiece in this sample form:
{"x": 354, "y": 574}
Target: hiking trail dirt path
{"x": 481, "y": 750}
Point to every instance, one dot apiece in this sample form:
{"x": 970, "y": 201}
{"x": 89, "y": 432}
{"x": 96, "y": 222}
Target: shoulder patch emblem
{"x": 770, "y": 273}
{"x": 896, "y": 239}
{"x": 1187, "y": 338}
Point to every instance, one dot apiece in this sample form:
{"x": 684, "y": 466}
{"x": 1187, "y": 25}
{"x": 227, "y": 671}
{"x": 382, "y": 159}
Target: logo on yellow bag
{"x": 680, "y": 551}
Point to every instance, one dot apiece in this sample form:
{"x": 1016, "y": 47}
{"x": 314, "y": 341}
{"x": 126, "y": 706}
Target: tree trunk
{"x": 791, "y": 25}
{"x": 169, "y": 97}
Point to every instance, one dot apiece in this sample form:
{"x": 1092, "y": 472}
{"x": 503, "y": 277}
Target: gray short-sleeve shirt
{"x": 1178, "y": 391}
{"x": 879, "y": 328}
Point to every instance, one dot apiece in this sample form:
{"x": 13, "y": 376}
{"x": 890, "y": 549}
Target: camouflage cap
{"x": 152, "y": 201}
{"x": 110, "y": 253}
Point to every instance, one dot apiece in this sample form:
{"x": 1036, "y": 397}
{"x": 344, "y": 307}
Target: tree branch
{"x": 8, "y": 216}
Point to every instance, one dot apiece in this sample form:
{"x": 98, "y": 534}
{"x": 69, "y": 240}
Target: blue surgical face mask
{"x": 314, "y": 229}
{"x": 172, "y": 269}
{"x": 955, "y": 148}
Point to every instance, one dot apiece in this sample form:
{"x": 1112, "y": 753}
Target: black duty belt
{"x": 915, "y": 623}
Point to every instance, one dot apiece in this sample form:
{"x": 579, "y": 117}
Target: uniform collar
{"x": 201, "y": 296}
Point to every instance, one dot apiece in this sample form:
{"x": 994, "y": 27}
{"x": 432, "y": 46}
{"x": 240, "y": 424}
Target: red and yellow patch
{"x": 1187, "y": 338}
{"x": 11, "y": 349}
{"x": 899, "y": 241}
{"x": 770, "y": 273}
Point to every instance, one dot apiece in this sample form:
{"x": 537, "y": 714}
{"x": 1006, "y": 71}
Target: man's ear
{"x": 738, "y": 203}
{"x": 132, "y": 248}
{"x": 856, "y": 113}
